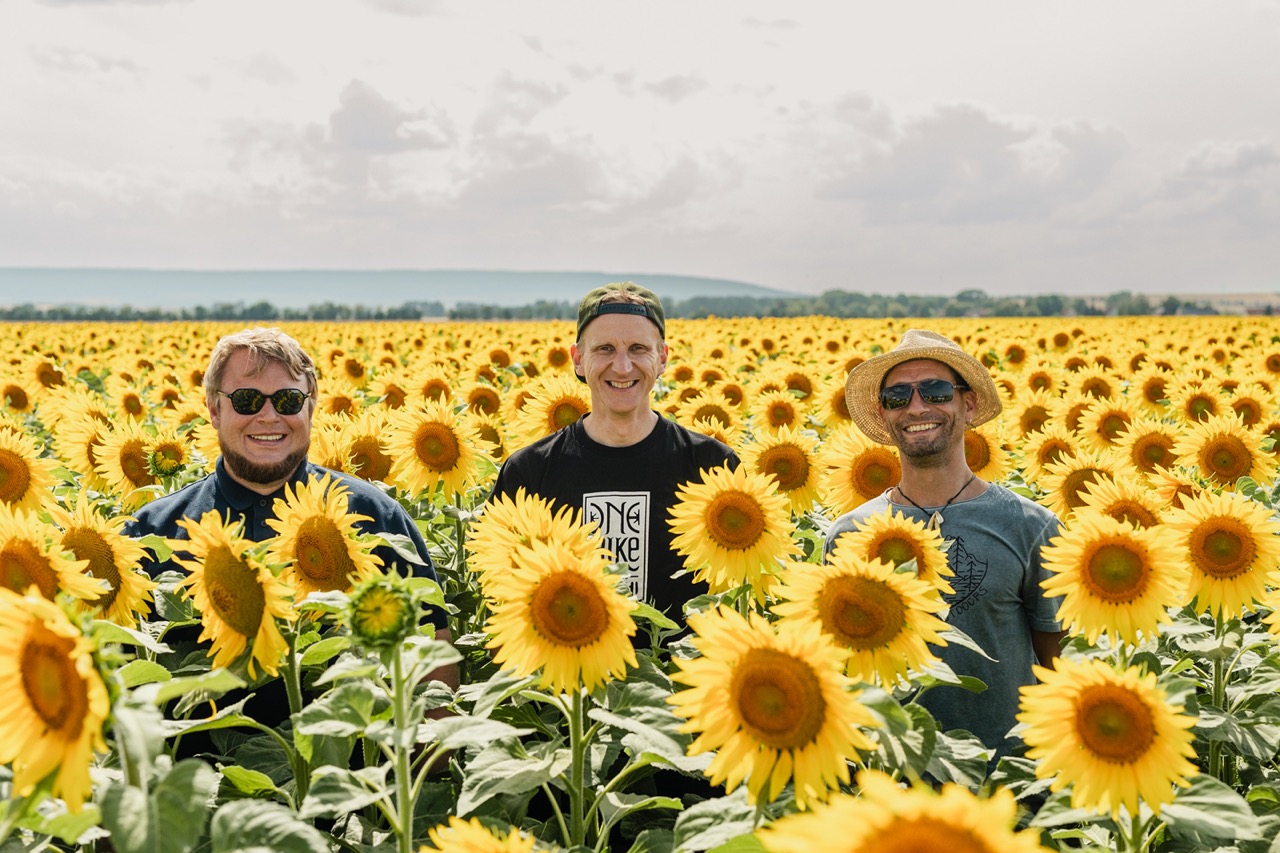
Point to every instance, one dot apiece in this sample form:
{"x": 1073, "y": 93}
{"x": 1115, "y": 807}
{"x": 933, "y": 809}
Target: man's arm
{"x": 1047, "y": 645}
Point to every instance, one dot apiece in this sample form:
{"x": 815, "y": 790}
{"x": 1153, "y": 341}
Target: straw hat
{"x": 862, "y": 388}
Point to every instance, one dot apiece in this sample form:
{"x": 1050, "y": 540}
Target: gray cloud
{"x": 69, "y": 60}
{"x": 408, "y": 8}
{"x": 514, "y": 103}
{"x": 677, "y": 87}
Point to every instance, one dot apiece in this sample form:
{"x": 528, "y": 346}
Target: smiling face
{"x": 928, "y": 434}
{"x": 260, "y": 451}
{"x": 621, "y": 356}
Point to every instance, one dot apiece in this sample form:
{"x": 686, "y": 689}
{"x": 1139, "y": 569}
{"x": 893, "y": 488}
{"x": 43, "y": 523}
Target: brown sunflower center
{"x": 565, "y": 412}
{"x": 1114, "y": 724}
{"x": 167, "y": 459}
{"x": 874, "y": 471}
{"x": 1225, "y": 458}
{"x": 788, "y": 463}
{"x": 1054, "y": 450}
{"x": 15, "y": 477}
{"x": 321, "y": 554}
{"x": 437, "y": 389}
{"x": 88, "y": 544}
{"x": 1074, "y": 484}
{"x": 896, "y": 550}
{"x": 1132, "y": 512}
{"x": 1152, "y": 450}
{"x": 484, "y": 400}
{"x": 53, "y": 687}
{"x": 781, "y": 413}
{"x": 368, "y": 460}
{"x": 1116, "y": 573}
{"x": 567, "y": 609}
{"x": 22, "y": 564}
{"x": 234, "y": 591}
{"x": 1222, "y": 548}
{"x": 778, "y": 698}
{"x": 16, "y": 397}
{"x": 734, "y": 520}
{"x": 916, "y": 834}
{"x": 712, "y": 411}
{"x": 861, "y": 613}
{"x": 1113, "y": 425}
{"x": 977, "y": 451}
{"x": 135, "y": 463}
{"x": 436, "y": 446}
{"x": 1033, "y": 419}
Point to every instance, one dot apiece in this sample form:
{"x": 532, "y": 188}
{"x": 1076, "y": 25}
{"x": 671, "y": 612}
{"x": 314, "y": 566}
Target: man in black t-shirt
{"x": 621, "y": 464}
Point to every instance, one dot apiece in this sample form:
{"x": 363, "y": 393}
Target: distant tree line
{"x": 833, "y": 303}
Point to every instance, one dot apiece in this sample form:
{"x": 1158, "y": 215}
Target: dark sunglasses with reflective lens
{"x": 934, "y": 391}
{"x": 249, "y": 401}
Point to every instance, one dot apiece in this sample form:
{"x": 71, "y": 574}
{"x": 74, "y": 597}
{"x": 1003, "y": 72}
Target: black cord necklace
{"x": 935, "y": 520}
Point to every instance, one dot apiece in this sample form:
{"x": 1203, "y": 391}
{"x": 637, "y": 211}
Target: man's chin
{"x": 248, "y": 471}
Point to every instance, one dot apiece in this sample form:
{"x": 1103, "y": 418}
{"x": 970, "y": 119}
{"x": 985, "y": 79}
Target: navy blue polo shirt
{"x": 220, "y": 492}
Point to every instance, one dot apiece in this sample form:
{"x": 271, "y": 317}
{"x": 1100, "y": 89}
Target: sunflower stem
{"x": 1137, "y": 832}
{"x": 293, "y": 686}
{"x": 577, "y": 772}
{"x": 404, "y": 776}
{"x": 1219, "y": 700}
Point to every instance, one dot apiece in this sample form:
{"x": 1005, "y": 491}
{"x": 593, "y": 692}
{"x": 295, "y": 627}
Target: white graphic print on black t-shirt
{"x": 623, "y": 519}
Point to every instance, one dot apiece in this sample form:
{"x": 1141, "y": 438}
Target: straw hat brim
{"x": 862, "y": 388}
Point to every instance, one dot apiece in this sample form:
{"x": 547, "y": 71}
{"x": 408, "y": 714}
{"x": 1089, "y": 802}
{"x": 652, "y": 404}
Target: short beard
{"x": 255, "y": 472}
{"x": 935, "y": 454}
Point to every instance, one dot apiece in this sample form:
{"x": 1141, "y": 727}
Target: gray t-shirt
{"x": 994, "y": 550}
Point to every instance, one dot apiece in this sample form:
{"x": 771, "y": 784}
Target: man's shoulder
{"x": 361, "y": 494}
{"x": 1023, "y": 506}
{"x": 704, "y": 447}
{"x": 161, "y": 515}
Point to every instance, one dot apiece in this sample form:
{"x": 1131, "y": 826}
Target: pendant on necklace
{"x": 935, "y": 522}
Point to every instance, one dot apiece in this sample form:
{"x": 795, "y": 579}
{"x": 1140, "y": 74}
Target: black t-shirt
{"x": 628, "y": 491}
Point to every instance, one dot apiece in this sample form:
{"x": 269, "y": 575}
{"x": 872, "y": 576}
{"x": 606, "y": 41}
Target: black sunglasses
{"x": 249, "y": 401}
{"x": 934, "y": 391}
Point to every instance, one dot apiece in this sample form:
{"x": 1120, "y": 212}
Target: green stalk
{"x": 1137, "y": 832}
{"x": 293, "y": 686}
{"x": 403, "y": 756}
{"x": 577, "y": 772}
{"x": 1219, "y": 701}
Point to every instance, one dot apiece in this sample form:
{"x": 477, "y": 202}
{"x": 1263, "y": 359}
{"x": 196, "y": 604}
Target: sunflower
{"x": 1150, "y": 388}
{"x": 1112, "y": 736}
{"x": 169, "y": 454}
{"x": 111, "y": 557}
{"x": 1096, "y": 382}
{"x": 557, "y": 401}
{"x": 483, "y": 397}
{"x": 773, "y": 704}
{"x": 888, "y": 818}
{"x": 1030, "y": 411}
{"x": 882, "y": 616}
{"x": 1125, "y": 499}
{"x": 471, "y": 836}
{"x": 1252, "y": 403}
{"x": 984, "y": 451}
{"x": 238, "y": 598}
{"x": 714, "y": 429}
{"x": 1065, "y": 481}
{"x": 434, "y": 385}
{"x": 29, "y": 556}
{"x": 773, "y": 410}
{"x": 894, "y": 538}
{"x": 365, "y": 444}
{"x": 381, "y": 613}
{"x": 1069, "y": 409}
{"x": 832, "y": 405}
{"x": 1104, "y": 423}
{"x": 1114, "y": 578}
{"x": 732, "y": 529}
{"x": 561, "y": 613}
{"x": 1148, "y": 444}
{"x": 25, "y": 477}
{"x": 431, "y": 445}
{"x": 1224, "y": 450}
{"x": 1230, "y": 544}
{"x": 55, "y": 699}
{"x": 318, "y": 540}
{"x": 507, "y": 525}
{"x": 1197, "y": 400}
{"x": 493, "y": 430}
{"x": 124, "y": 463}
{"x": 707, "y": 406}
{"x": 790, "y": 457}
{"x": 1053, "y": 443}
{"x": 856, "y": 469}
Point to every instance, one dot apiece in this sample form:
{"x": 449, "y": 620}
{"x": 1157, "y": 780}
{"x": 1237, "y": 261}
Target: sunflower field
{"x": 785, "y": 719}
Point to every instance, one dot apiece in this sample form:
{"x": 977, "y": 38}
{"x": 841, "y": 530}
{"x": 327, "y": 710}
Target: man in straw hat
{"x": 921, "y": 396}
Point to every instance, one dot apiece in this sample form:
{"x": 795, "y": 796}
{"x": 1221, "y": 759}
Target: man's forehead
{"x": 621, "y": 328}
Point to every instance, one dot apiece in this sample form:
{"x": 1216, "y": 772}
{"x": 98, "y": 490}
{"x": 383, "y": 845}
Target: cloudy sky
{"x": 1017, "y": 147}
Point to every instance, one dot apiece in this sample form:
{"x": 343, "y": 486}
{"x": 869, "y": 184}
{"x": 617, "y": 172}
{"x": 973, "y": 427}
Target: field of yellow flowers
{"x": 787, "y": 716}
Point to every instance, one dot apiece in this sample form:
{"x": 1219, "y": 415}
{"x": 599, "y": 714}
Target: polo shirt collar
{"x": 240, "y": 497}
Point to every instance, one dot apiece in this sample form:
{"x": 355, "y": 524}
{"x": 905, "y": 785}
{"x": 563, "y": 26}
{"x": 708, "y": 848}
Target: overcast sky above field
{"x": 1017, "y": 147}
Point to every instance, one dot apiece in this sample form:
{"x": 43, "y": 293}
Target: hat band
{"x": 621, "y": 308}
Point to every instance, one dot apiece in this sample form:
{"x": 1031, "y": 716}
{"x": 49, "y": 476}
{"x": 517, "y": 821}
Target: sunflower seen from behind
{"x": 55, "y": 699}
{"x": 885, "y": 618}
{"x": 238, "y": 597}
{"x": 732, "y": 528}
{"x": 774, "y": 705}
{"x": 888, "y": 818}
{"x": 1231, "y": 546}
{"x": 561, "y": 615}
{"x": 1114, "y": 578}
{"x": 1111, "y": 736}
{"x": 317, "y": 539}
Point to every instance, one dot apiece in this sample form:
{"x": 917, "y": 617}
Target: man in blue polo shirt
{"x": 260, "y": 388}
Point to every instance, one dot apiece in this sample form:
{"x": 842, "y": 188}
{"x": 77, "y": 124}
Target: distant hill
{"x": 175, "y": 289}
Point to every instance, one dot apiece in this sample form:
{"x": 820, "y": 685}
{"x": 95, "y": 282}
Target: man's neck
{"x": 936, "y": 486}
{"x": 620, "y": 431}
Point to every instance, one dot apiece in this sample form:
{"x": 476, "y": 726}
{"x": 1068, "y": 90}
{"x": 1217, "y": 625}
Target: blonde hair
{"x": 265, "y": 347}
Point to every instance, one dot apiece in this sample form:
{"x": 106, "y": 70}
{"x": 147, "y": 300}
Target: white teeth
{"x": 267, "y": 437}
{"x": 920, "y": 427}
{"x": 623, "y": 384}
